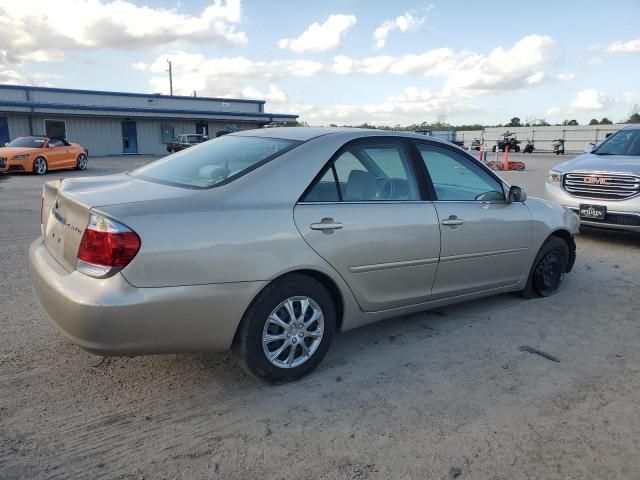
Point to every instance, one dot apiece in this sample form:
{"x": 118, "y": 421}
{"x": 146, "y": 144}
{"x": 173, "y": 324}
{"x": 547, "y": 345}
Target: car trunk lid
{"x": 66, "y": 207}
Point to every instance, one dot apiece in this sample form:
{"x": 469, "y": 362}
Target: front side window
{"x": 457, "y": 178}
{"x": 368, "y": 171}
{"x": 623, "y": 142}
{"x": 215, "y": 162}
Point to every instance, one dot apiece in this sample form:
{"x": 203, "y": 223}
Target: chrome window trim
{"x": 364, "y": 202}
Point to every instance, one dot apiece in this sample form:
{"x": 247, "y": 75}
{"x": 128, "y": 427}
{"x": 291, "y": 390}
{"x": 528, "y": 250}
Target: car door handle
{"x": 452, "y": 221}
{"x": 326, "y": 224}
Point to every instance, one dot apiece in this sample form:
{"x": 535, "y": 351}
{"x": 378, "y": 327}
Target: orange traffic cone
{"x": 505, "y": 158}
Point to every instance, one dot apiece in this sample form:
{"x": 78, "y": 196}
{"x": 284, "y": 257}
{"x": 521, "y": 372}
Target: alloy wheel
{"x": 40, "y": 166}
{"x": 293, "y": 332}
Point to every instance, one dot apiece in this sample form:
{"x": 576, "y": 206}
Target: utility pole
{"x": 170, "y": 78}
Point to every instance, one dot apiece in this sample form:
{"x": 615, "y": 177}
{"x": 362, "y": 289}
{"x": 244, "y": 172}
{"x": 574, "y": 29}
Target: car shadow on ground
{"x": 614, "y": 237}
{"x": 360, "y": 353}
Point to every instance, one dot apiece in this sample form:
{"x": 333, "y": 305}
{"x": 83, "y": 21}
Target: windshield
{"x": 216, "y": 162}
{"x": 29, "y": 142}
{"x": 623, "y": 142}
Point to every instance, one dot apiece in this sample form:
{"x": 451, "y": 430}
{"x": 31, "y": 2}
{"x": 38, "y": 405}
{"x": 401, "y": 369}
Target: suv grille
{"x": 601, "y": 185}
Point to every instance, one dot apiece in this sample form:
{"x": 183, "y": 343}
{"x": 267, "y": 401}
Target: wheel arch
{"x": 36, "y": 157}
{"x": 325, "y": 280}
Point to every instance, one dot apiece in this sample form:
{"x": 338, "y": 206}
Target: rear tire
{"x": 548, "y": 270}
{"x": 40, "y": 166}
{"x": 301, "y": 341}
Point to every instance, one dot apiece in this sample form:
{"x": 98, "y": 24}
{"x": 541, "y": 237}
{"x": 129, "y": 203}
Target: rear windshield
{"x": 29, "y": 142}
{"x": 623, "y": 142}
{"x": 215, "y": 162}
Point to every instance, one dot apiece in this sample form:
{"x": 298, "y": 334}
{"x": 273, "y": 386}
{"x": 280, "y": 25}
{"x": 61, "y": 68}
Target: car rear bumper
{"x": 621, "y": 214}
{"x": 111, "y": 317}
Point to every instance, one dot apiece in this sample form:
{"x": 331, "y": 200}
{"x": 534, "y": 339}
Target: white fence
{"x": 576, "y": 138}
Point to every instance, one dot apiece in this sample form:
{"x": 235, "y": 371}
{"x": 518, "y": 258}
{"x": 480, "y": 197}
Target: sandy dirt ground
{"x": 438, "y": 395}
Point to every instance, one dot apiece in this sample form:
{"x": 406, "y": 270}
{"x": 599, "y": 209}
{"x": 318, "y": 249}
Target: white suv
{"x": 602, "y": 186}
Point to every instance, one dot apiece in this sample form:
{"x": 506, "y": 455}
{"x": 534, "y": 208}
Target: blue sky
{"x": 323, "y": 60}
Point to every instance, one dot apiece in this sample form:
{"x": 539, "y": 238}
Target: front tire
{"x": 548, "y": 270}
{"x": 82, "y": 162}
{"x": 287, "y": 329}
{"x": 40, "y": 166}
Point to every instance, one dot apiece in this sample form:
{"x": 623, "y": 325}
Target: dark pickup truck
{"x": 185, "y": 141}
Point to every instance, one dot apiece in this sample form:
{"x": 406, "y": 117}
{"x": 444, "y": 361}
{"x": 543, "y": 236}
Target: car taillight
{"x": 106, "y": 247}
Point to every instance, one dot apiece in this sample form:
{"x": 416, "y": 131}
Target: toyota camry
{"x": 268, "y": 241}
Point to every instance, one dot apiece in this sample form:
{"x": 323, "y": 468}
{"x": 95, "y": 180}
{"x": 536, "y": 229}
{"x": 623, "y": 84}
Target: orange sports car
{"x": 41, "y": 154}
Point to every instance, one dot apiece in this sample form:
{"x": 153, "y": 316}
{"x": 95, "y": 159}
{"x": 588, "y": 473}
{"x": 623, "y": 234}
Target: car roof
{"x": 632, "y": 126}
{"x": 308, "y": 133}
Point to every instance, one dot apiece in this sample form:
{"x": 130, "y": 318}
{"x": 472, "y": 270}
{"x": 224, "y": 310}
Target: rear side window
{"x": 366, "y": 172}
{"x": 216, "y": 162}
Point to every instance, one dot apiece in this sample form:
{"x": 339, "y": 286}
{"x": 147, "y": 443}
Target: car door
{"x": 367, "y": 216}
{"x": 485, "y": 239}
{"x": 58, "y": 154}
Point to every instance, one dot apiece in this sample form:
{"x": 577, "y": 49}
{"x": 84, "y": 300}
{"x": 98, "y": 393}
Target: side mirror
{"x": 589, "y": 148}
{"x": 517, "y": 194}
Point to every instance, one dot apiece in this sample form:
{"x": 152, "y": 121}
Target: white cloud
{"x": 221, "y": 76}
{"x": 564, "y": 77}
{"x": 320, "y": 37}
{"x": 413, "y": 105}
{"x": 590, "y": 100}
{"x": 41, "y": 30}
{"x": 632, "y": 46}
{"x": 406, "y": 22}
{"x": 466, "y": 73}
{"x": 275, "y": 95}
{"x": 586, "y": 101}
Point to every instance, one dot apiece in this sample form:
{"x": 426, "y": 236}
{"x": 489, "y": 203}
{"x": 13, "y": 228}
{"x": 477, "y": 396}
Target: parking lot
{"x": 442, "y": 394}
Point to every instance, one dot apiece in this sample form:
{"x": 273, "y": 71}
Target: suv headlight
{"x": 20, "y": 157}
{"x": 554, "y": 177}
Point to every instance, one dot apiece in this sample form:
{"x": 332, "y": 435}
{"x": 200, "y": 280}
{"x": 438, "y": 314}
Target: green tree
{"x": 514, "y": 122}
{"x": 606, "y": 121}
{"x": 540, "y": 122}
{"x": 594, "y": 121}
{"x": 570, "y": 123}
{"x": 634, "y": 118}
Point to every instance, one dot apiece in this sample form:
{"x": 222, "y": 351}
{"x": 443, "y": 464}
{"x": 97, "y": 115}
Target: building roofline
{"x": 124, "y": 94}
{"x": 105, "y": 108}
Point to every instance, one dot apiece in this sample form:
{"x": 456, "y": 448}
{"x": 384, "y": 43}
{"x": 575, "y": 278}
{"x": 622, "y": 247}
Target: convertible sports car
{"x": 41, "y": 154}
{"x": 266, "y": 241}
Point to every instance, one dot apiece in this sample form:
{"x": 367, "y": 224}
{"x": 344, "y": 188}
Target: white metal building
{"x": 116, "y": 123}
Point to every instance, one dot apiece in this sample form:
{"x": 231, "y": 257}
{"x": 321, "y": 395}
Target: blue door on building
{"x": 4, "y": 131}
{"x": 129, "y": 137}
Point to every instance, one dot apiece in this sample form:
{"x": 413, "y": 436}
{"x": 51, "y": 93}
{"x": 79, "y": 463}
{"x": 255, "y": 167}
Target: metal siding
{"x": 151, "y": 101}
{"x": 18, "y": 125}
